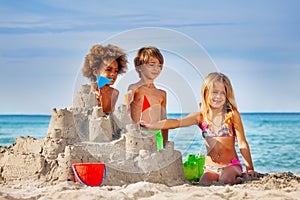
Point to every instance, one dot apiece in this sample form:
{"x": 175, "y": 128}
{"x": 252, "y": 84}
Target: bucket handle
{"x": 83, "y": 183}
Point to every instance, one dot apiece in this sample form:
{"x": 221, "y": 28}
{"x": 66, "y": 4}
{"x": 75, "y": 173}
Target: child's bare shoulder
{"x": 133, "y": 87}
{"x": 162, "y": 92}
{"x": 236, "y": 115}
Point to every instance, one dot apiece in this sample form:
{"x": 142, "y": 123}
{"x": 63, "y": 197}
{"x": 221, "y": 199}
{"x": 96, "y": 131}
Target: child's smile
{"x": 152, "y": 69}
{"x": 218, "y": 95}
{"x": 109, "y": 69}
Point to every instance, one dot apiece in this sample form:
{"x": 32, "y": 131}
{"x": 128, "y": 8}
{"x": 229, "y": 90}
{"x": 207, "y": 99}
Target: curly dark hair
{"x": 97, "y": 54}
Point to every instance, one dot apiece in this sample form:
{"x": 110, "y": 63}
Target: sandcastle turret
{"x": 82, "y": 106}
{"x": 136, "y": 141}
{"x": 61, "y": 132}
{"x": 62, "y": 126}
{"x": 84, "y": 99}
{"x": 100, "y": 127}
{"x": 121, "y": 117}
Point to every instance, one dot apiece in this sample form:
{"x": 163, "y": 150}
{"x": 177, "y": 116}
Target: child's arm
{"x": 130, "y": 94}
{"x": 129, "y": 99}
{"x": 164, "y": 106}
{"x": 165, "y": 133}
{"x": 191, "y": 119}
{"x": 114, "y": 98}
{"x": 242, "y": 142}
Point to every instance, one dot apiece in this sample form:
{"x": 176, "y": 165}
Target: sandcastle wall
{"x": 84, "y": 134}
{"x": 100, "y": 126}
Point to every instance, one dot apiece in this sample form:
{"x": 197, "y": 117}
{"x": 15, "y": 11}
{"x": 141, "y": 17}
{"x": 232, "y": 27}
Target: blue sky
{"x": 43, "y": 44}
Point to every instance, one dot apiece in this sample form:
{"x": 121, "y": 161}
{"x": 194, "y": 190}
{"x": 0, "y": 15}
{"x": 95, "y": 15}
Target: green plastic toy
{"x": 193, "y": 166}
{"x": 159, "y": 140}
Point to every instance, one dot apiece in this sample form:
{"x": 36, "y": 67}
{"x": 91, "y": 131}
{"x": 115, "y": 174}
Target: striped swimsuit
{"x": 224, "y": 131}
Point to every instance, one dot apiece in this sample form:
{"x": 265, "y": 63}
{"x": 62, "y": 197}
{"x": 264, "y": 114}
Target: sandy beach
{"x": 269, "y": 186}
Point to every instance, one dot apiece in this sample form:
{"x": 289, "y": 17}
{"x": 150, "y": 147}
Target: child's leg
{"x": 209, "y": 177}
{"x": 165, "y": 135}
{"x": 231, "y": 175}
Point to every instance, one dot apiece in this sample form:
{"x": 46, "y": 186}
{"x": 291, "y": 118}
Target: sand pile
{"x": 84, "y": 134}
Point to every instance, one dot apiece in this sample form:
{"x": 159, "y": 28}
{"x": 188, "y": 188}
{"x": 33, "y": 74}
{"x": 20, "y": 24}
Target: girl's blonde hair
{"x": 206, "y": 92}
{"x": 97, "y": 54}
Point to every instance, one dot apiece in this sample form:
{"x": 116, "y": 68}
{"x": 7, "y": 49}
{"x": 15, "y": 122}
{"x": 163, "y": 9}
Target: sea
{"x": 274, "y": 138}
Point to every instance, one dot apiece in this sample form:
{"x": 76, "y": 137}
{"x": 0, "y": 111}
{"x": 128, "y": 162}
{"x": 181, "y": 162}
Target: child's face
{"x": 218, "y": 95}
{"x": 109, "y": 69}
{"x": 151, "y": 69}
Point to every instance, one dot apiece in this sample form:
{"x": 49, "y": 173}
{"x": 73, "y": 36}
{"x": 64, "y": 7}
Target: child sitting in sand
{"x": 221, "y": 125}
{"x": 148, "y": 63}
{"x": 106, "y": 61}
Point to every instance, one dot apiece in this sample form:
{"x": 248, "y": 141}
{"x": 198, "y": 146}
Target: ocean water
{"x": 274, "y": 138}
{"x": 12, "y": 126}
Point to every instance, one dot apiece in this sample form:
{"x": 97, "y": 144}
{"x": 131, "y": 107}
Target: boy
{"x": 148, "y": 63}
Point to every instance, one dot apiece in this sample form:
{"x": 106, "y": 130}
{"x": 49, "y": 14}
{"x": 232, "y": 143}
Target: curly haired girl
{"x": 106, "y": 61}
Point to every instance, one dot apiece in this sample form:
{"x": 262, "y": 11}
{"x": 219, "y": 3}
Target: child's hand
{"x": 252, "y": 173}
{"x": 142, "y": 124}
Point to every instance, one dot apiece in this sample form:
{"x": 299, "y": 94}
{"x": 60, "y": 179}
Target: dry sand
{"x": 269, "y": 186}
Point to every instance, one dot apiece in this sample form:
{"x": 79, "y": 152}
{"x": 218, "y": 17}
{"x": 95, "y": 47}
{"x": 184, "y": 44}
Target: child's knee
{"x": 227, "y": 179}
{"x": 230, "y": 177}
{"x": 208, "y": 177}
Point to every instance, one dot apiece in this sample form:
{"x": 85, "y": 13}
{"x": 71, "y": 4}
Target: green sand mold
{"x": 193, "y": 166}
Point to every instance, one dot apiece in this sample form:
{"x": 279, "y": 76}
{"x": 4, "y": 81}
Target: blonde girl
{"x": 221, "y": 126}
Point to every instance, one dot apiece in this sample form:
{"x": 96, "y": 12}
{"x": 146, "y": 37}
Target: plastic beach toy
{"x": 193, "y": 166}
{"x": 89, "y": 174}
{"x": 159, "y": 140}
{"x": 102, "y": 81}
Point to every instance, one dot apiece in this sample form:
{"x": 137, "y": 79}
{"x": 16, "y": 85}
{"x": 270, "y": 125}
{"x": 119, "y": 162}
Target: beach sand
{"x": 269, "y": 186}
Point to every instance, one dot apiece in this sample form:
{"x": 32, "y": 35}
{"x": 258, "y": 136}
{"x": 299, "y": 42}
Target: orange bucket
{"x": 89, "y": 174}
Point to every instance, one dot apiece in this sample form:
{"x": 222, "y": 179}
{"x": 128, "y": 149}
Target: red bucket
{"x": 89, "y": 174}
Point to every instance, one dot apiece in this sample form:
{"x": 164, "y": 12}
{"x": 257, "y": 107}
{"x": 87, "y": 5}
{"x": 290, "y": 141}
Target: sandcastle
{"x": 84, "y": 134}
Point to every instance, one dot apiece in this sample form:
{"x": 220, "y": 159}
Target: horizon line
{"x": 171, "y": 113}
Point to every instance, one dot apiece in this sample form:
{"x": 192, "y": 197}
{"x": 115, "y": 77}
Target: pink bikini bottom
{"x": 218, "y": 170}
